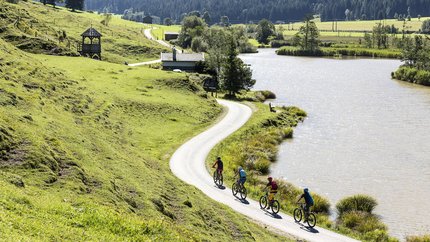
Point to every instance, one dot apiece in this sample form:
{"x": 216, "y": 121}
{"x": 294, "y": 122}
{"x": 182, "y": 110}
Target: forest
{"x": 243, "y": 11}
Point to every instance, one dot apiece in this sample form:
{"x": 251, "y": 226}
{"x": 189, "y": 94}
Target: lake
{"x": 365, "y": 133}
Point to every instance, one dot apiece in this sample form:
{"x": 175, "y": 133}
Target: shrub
{"x": 361, "y": 222}
{"x": 321, "y": 204}
{"x": 424, "y": 238}
{"x": 363, "y": 203}
{"x": 262, "y": 166}
{"x": 410, "y": 74}
{"x": 288, "y": 133}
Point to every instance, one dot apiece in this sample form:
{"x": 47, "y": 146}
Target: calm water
{"x": 365, "y": 133}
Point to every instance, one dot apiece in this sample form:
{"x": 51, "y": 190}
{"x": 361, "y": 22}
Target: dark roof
{"x": 183, "y": 57}
{"x": 91, "y": 32}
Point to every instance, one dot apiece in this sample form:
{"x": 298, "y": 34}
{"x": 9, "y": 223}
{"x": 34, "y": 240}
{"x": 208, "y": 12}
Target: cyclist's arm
{"x": 213, "y": 166}
{"x": 300, "y": 198}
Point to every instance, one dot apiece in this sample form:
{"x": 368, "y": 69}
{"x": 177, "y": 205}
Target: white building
{"x": 181, "y": 61}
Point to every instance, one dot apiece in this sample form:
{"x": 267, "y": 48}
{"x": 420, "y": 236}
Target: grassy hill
{"x": 35, "y": 28}
{"x": 85, "y": 144}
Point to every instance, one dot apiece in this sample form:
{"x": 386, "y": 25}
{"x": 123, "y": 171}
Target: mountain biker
{"x": 273, "y": 190}
{"x": 219, "y": 166}
{"x": 308, "y": 200}
{"x": 242, "y": 176}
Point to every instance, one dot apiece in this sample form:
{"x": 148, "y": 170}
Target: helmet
{"x": 269, "y": 178}
{"x": 239, "y": 168}
{"x": 306, "y": 190}
{"x": 218, "y": 158}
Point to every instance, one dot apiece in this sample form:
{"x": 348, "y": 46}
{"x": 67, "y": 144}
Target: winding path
{"x": 148, "y": 35}
{"x": 188, "y": 163}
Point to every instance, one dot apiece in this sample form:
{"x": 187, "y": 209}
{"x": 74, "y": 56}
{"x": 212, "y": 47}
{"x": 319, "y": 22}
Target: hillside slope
{"x": 84, "y": 150}
{"x": 36, "y": 28}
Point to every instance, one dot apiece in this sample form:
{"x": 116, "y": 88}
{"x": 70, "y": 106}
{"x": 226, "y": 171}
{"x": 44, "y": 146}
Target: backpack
{"x": 242, "y": 173}
{"x": 274, "y": 185}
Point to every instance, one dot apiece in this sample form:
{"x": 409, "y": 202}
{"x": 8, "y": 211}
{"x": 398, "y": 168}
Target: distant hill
{"x": 254, "y": 10}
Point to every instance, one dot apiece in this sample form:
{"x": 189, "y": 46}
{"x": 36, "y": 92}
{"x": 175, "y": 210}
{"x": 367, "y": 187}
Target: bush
{"x": 262, "y": 166}
{"x": 413, "y": 75}
{"x": 362, "y": 203}
{"x": 321, "y": 204}
{"x": 362, "y": 222}
{"x": 424, "y": 238}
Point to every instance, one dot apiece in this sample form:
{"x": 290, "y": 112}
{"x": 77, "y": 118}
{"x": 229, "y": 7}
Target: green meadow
{"x": 35, "y": 28}
{"x": 85, "y": 144}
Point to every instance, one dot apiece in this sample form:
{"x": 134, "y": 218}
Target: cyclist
{"x": 219, "y": 166}
{"x": 273, "y": 190}
{"x": 242, "y": 176}
{"x": 308, "y": 200}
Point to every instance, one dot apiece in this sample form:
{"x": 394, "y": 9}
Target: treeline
{"x": 416, "y": 61}
{"x": 244, "y": 11}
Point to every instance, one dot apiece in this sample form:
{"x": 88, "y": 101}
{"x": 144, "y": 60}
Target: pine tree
{"x": 75, "y": 4}
{"x": 236, "y": 76}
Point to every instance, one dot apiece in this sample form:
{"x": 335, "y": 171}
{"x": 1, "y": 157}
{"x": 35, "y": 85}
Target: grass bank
{"x": 84, "y": 150}
{"x": 412, "y": 75}
{"x": 341, "y": 51}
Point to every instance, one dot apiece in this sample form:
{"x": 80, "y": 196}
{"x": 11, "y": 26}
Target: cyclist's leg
{"x": 271, "y": 195}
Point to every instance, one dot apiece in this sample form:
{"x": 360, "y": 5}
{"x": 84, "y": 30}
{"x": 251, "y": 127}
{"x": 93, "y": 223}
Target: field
{"x": 362, "y": 25}
{"x": 350, "y": 31}
{"x": 85, "y": 145}
{"x": 159, "y": 30}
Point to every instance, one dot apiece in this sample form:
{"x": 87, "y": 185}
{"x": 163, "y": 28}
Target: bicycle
{"x": 264, "y": 203}
{"x": 239, "y": 188}
{"x": 218, "y": 178}
{"x": 310, "y": 217}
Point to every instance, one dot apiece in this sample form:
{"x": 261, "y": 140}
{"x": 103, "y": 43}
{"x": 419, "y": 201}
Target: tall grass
{"x": 356, "y": 203}
{"x": 424, "y": 238}
{"x": 344, "y": 51}
{"x": 413, "y": 75}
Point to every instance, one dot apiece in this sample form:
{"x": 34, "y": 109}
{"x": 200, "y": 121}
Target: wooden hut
{"x": 91, "y": 44}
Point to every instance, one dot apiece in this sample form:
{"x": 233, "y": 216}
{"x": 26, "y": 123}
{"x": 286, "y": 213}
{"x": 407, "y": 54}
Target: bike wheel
{"x": 215, "y": 177}
{"x": 275, "y": 207}
{"x": 220, "y": 180}
{"x": 263, "y": 202}
{"x": 234, "y": 189}
{"x": 243, "y": 193}
{"x": 298, "y": 215}
{"x": 312, "y": 220}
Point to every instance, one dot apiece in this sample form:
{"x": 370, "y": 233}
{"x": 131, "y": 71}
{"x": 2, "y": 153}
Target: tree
{"x": 235, "y": 76}
{"x": 380, "y": 35}
{"x": 75, "y": 4}
{"x": 216, "y": 39}
{"x": 225, "y": 21}
{"x": 192, "y": 26}
{"x": 168, "y": 21}
{"x": 107, "y": 17}
{"x": 265, "y": 29}
{"x": 425, "y": 26}
{"x": 368, "y": 40}
{"x": 207, "y": 17}
{"x": 308, "y": 36}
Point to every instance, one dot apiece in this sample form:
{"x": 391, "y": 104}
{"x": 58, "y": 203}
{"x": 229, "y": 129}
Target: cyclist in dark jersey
{"x": 308, "y": 200}
{"x": 219, "y": 165}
